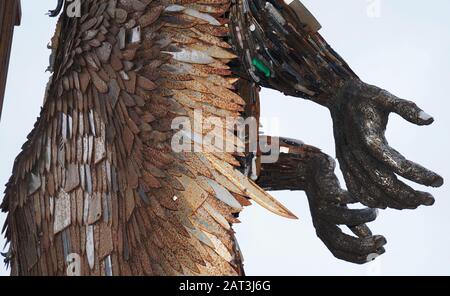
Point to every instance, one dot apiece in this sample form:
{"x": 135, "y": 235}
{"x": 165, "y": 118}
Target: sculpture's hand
{"x": 306, "y": 168}
{"x": 328, "y": 205}
{"x": 360, "y": 114}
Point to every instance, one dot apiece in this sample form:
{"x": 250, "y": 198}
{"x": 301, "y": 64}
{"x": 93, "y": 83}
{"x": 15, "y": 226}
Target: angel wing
{"x": 98, "y": 189}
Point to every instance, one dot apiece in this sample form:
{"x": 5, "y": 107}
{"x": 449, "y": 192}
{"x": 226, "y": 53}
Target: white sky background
{"x": 404, "y": 47}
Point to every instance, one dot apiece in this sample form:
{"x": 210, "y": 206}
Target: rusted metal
{"x": 10, "y": 16}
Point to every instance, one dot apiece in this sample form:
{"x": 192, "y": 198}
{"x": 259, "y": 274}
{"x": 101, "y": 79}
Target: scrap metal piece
{"x": 62, "y": 214}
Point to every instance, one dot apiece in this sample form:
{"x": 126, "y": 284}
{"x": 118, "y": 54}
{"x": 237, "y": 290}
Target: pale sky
{"x": 402, "y": 46}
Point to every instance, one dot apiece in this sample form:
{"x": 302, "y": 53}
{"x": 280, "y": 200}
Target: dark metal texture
{"x": 360, "y": 115}
{"x": 306, "y": 168}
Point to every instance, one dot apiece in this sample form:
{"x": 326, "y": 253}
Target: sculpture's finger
{"x": 373, "y": 190}
{"x": 406, "y": 109}
{"x": 356, "y": 174}
{"x": 388, "y": 182}
{"x": 345, "y": 198}
{"x": 358, "y": 183}
{"x": 358, "y": 259}
{"x": 344, "y": 216}
{"x": 336, "y": 240}
{"x": 327, "y": 185}
{"x": 364, "y": 231}
{"x": 378, "y": 146}
{"x": 361, "y": 230}
{"x": 368, "y": 187}
{"x": 406, "y": 168}
{"x": 348, "y": 137}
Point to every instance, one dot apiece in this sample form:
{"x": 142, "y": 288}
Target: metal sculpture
{"x": 98, "y": 188}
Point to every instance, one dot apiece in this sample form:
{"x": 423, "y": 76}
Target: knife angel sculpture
{"x": 99, "y": 188}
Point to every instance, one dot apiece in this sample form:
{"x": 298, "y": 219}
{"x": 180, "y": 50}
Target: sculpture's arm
{"x": 306, "y": 168}
{"x": 280, "y": 51}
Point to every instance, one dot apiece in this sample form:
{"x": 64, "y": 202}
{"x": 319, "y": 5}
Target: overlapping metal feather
{"x": 97, "y": 177}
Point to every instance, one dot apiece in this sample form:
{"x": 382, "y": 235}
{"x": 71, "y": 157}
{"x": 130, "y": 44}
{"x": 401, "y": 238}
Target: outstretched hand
{"x": 360, "y": 115}
{"x": 328, "y": 205}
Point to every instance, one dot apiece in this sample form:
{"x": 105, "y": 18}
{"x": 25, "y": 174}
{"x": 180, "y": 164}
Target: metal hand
{"x": 328, "y": 205}
{"x": 360, "y": 115}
